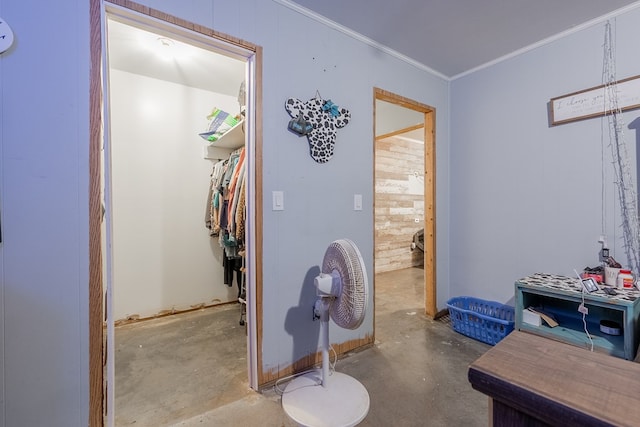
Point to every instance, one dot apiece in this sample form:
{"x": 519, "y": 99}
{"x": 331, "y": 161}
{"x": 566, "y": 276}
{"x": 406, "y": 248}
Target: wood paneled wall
{"x": 399, "y": 187}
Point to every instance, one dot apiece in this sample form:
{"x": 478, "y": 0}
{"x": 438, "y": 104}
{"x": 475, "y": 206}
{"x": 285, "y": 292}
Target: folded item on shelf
{"x": 548, "y": 318}
{"x": 220, "y": 122}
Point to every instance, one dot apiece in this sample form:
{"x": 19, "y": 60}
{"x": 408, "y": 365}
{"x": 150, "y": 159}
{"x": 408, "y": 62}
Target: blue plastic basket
{"x": 486, "y": 321}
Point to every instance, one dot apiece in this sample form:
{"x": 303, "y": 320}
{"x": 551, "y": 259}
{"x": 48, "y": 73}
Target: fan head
{"x": 350, "y": 286}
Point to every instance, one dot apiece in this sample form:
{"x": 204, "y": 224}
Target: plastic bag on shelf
{"x": 220, "y": 122}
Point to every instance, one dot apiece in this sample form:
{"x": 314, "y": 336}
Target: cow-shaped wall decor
{"x": 326, "y": 118}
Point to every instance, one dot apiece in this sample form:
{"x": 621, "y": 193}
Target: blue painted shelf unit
{"x": 561, "y": 296}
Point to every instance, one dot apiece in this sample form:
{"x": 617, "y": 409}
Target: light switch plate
{"x": 278, "y": 200}
{"x": 357, "y": 202}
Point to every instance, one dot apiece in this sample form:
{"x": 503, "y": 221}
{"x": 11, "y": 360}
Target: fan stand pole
{"x": 324, "y": 333}
{"x": 312, "y": 400}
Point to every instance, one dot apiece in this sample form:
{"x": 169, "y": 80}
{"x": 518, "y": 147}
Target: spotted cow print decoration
{"x": 326, "y": 118}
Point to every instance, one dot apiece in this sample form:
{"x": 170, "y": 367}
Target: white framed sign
{"x": 589, "y": 103}
{"x": 6, "y": 36}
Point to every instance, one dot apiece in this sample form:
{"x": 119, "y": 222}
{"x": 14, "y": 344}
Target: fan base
{"x": 344, "y": 402}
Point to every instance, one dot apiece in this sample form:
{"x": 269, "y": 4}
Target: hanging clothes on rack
{"x": 213, "y": 197}
{"x": 234, "y": 190}
{"x": 231, "y": 265}
{"x": 225, "y": 216}
{"x": 241, "y": 211}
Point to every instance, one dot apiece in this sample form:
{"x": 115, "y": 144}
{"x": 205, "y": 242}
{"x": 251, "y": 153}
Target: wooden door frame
{"x": 97, "y": 319}
{"x": 430, "y": 303}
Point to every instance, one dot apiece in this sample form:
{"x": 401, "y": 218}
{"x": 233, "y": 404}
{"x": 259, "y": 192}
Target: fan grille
{"x": 343, "y": 257}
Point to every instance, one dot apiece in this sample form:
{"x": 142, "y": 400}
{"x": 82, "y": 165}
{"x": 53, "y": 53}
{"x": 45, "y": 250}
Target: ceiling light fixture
{"x": 165, "y": 42}
{"x": 166, "y": 48}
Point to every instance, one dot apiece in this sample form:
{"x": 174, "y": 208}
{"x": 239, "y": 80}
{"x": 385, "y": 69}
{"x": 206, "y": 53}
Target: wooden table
{"x": 536, "y": 381}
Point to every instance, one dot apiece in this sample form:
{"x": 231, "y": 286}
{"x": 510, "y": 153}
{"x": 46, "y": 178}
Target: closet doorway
{"x": 404, "y": 204}
{"x": 163, "y": 259}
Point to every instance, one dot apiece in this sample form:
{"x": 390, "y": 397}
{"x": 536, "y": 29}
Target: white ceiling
{"x": 454, "y": 36}
{"x": 139, "y": 51}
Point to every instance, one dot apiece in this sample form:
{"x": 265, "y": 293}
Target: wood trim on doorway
{"x": 400, "y": 131}
{"x": 97, "y": 333}
{"x": 97, "y": 345}
{"x": 258, "y": 210}
{"x": 162, "y": 16}
{"x": 429, "y": 190}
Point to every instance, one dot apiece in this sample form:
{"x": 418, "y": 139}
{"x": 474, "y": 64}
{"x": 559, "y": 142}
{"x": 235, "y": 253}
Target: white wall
{"x": 526, "y": 197}
{"x": 163, "y": 256}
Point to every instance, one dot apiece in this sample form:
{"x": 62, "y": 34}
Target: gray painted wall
{"x": 518, "y": 188}
{"x": 526, "y": 197}
{"x": 44, "y": 140}
{"x": 44, "y": 110}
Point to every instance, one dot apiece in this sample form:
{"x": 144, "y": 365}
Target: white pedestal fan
{"x": 321, "y": 398}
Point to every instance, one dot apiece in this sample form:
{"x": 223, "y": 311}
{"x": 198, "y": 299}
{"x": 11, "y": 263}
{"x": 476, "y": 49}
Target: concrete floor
{"x": 190, "y": 370}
